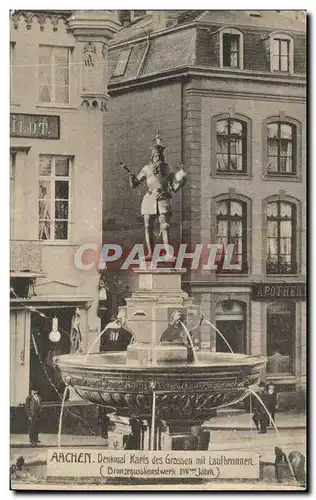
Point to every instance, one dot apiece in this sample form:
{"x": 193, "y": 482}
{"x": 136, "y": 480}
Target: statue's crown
{"x": 159, "y": 146}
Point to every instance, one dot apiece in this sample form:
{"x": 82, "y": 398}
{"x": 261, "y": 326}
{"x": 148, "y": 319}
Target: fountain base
{"x": 157, "y": 380}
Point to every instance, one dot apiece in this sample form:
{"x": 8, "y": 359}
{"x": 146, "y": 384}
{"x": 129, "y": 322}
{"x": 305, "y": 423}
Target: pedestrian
{"x": 259, "y": 414}
{"x": 271, "y": 400}
{"x": 105, "y": 423}
{"x": 33, "y": 409}
{"x": 132, "y": 441}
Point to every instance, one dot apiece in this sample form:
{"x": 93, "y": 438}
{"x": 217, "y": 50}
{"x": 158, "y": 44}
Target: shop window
{"x": 281, "y": 238}
{"x": 231, "y": 146}
{"x": 281, "y": 337}
{"x": 54, "y": 197}
{"x": 231, "y": 48}
{"x": 231, "y": 228}
{"x": 54, "y": 75}
{"x": 281, "y": 53}
{"x": 231, "y": 322}
{"x": 281, "y": 140}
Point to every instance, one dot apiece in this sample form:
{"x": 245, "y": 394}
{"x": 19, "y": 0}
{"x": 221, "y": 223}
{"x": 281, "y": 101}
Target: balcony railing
{"x": 280, "y": 268}
{"x": 26, "y": 256}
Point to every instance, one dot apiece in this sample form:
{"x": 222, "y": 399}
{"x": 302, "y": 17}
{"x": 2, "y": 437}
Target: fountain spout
{"x": 195, "y": 359}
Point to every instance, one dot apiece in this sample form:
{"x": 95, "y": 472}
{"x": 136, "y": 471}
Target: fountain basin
{"x": 189, "y": 391}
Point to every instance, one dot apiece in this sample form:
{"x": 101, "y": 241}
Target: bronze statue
{"x": 161, "y": 182}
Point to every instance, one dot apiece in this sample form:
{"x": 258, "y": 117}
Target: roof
{"x": 144, "y": 48}
{"x": 175, "y": 49}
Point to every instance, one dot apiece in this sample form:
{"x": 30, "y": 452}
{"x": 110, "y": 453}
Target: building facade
{"x": 227, "y": 92}
{"x": 58, "y": 99}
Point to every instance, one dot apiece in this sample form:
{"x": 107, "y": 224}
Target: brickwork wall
{"x": 131, "y": 124}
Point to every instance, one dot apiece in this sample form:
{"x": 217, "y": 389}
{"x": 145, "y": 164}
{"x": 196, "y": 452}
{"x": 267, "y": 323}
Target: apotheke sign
{"x": 282, "y": 291}
{"x": 35, "y": 126}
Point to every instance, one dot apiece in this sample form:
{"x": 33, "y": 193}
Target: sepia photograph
{"x": 158, "y": 186}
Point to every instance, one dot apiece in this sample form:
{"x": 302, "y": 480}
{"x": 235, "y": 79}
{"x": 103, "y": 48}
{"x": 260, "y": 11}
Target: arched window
{"x": 231, "y": 146}
{"x": 231, "y": 228}
{"x": 282, "y": 147}
{"x": 281, "y": 237}
{"x": 281, "y": 337}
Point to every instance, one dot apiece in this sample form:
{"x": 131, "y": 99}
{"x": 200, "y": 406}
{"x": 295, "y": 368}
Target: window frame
{"x": 229, "y": 137}
{"x": 297, "y": 149}
{"x": 232, "y": 174}
{"x": 246, "y": 223}
{"x": 52, "y": 102}
{"x": 122, "y": 62}
{"x": 52, "y": 178}
{"x": 12, "y": 65}
{"x": 279, "y": 155}
{"x": 278, "y": 219}
{"x": 240, "y": 57}
{"x": 280, "y": 36}
{"x": 296, "y": 237}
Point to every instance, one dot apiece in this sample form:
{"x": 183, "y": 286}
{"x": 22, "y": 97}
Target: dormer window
{"x": 231, "y": 48}
{"x": 281, "y": 53}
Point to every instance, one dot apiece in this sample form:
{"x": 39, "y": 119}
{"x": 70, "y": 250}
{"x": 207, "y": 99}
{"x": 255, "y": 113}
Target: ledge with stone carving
{"x": 26, "y": 258}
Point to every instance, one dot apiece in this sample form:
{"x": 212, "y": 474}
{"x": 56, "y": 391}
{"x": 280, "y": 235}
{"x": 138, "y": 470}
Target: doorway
{"x": 231, "y": 322}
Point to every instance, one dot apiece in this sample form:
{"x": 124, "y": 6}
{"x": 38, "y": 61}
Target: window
{"x": 231, "y": 228}
{"x": 281, "y": 139}
{"x": 122, "y": 62}
{"x": 12, "y": 64}
{"x": 231, "y": 146}
{"x": 280, "y": 337}
{"x": 12, "y": 165}
{"x": 54, "y": 197}
{"x": 12, "y": 189}
{"x": 281, "y": 53}
{"x": 281, "y": 237}
{"x": 54, "y": 75}
{"x": 231, "y": 322}
{"x": 231, "y": 48}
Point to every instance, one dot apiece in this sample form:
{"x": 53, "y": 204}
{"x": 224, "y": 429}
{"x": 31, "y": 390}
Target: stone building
{"x": 226, "y": 90}
{"x": 58, "y": 97}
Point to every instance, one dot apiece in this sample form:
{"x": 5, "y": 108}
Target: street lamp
{"x": 54, "y": 335}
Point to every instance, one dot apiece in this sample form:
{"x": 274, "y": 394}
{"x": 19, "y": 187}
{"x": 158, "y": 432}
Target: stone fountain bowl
{"x": 183, "y": 390}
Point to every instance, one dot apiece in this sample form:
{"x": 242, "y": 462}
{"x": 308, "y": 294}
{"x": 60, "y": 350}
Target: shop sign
{"x": 282, "y": 291}
{"x": 34, "y": 126}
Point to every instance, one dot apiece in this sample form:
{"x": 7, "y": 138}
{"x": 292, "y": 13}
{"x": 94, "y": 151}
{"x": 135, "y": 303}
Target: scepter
{"x": 129, "y": 171}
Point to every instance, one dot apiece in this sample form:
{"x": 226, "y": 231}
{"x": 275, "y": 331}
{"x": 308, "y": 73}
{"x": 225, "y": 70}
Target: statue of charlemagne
{"x": 161, "y": 181}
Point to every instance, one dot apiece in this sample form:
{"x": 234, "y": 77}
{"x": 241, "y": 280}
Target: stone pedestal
{"x": 149, "y": 311}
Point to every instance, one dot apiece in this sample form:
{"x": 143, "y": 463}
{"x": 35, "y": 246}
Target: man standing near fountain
{"x": 161, "y": 182}
{"x": 33, "y": 409}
